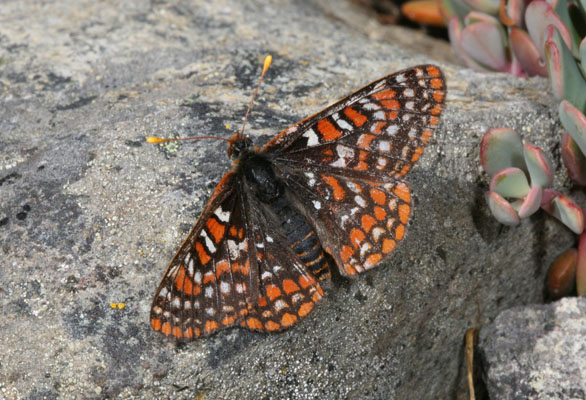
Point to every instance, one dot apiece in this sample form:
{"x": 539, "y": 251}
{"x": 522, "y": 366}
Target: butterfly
{"x": 325, "y": 193}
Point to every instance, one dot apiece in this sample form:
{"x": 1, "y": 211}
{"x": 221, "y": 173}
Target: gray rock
{"x": 537, "y": 352}
{"x": 90, "y": 215}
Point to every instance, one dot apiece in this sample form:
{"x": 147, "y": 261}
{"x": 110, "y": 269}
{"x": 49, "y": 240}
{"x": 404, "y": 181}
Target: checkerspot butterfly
{"x": 325, "y": 193}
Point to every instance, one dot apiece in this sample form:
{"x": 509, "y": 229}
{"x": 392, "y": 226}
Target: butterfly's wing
{"x": 344, "y": 164}
{"x": 227, "y": 272}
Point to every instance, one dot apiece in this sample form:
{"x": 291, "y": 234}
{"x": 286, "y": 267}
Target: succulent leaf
{"x": 565, "y": 210}
{"x": 485, "y": 6}
{"x": 561, "y": 277}
{"x": 485, "y": 43}
{"x": 512, "y": 13}
{"x": 540, "y": 171}
{"x": 526, "y": 52}
{"x": 424, "y": 12}
{"x": 455, "y": 34}
{"x": 538, "y": 16}
{"x": 581, "y": 266}
{"x": 574, "y": 160}
{"x": 575, "y": 123}
{"x": 501, "y": 148}
{"x": 510, "y": 182}
{"x": 567, "y": 80}
{"x": 531, "y": 203}
{"x": 501, "y": 209}
{"x": 572, "y": 15}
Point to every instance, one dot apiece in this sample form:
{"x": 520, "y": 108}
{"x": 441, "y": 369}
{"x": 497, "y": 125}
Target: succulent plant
{"x": 567, "y": 274}
{"x": 520, "y": 178}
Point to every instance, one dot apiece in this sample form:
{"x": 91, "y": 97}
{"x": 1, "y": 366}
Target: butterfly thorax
{"x": 260, "y": 175}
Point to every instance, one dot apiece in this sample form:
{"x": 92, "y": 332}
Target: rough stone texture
{"x": 537, "y": 352}
{"x": 90, "y": 214}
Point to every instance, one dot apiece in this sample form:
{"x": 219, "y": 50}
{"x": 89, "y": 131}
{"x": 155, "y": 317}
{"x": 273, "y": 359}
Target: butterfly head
{"x": 238, "y": 143}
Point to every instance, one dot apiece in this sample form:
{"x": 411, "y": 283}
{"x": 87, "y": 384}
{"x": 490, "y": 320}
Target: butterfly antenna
{"x": 266, "y": 65}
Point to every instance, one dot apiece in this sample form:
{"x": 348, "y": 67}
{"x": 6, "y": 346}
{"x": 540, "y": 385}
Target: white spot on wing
{"x": 209, "y": 291}
{"x": 379, "y": 115}
{"x": 370, "y": 106}
{"x": 400, "y": 78}
{"x": 197, "y": 277}
{"x": 344, "y": 125}
{"x": 210, "y": 311}
{"x": 312, "y": 139}
{"x": 408, "y": 93}
{"x": 360, "y": 201}
{"x": 384, "y": 146}
{"x": 209, "y": 244}
{"x": 266, "y": 275}
{"x": 279, "y": 305}
{"x": 224, "y": 287}
{"x": 392, "y": 129}
{"x": 223, "y": 216}
{"x": 316, "y": 204}
{"x": 163, "y": 292}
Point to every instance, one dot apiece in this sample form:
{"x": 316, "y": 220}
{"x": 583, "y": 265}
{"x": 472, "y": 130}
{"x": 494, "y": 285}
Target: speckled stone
{"x": 91, "y": 215}
{"x": 537, "y": 352}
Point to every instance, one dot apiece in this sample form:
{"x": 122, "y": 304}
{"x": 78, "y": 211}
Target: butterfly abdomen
{"x": 302, "y": 238}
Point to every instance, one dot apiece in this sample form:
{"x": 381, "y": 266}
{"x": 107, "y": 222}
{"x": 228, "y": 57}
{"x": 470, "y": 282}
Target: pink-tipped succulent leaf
{"x": 564, "y": 209}
{"x": 526, "y": 53}
{"x": 501, "y": 209}
{"x": 485, "y": 41}
{"x": 540, "y": 171}
{"x": 510, "y": 182}
{"x": 574, "y": 122}
{"x": 501, "y": 148}
{"x": 531, "y": 203}
{"x": 574, "y": 160}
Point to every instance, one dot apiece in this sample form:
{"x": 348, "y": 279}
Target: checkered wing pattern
{"x": 348, "y": 161}
{"x": 287, "y": 290}
{"x": 230, "y": 271}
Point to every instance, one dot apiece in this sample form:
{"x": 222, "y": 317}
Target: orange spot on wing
{"x": 426, "y": 135}
{"x": 372, "y": 260}
{"x": 391, "y": 104}
{"x": 182, "y": 282}
{"x": 272, "y": 326}
{"x": 400, "y": 232}
{"x": 188, "y": 333}
{"x": 273, "y": 292}
{"x": 433, "y": 71}
{"x": 289, "y": 286}
{"x": 402, "y": 192}
{"x": 437, "y": 83}
{"x": 388, "y": 245}
{"x": 378, "y": 196}
{"x": 417, "y": 153}
{"x": 327, "y": 130}
{"x": 288, "y": 319}
{"x": 228, "y": 320}
{"x": 350, "y": 270}
{"x": 233, "y": 231}
{"x": 156, "y": 324}
{"x": 166, "y": 328}
{"x": 204, "y": 257}
{"x": 305, "y": 309}
{"x": 367, "y": 222}
{"x": 357, "y": 118}
{"x": 207, "y": 278}
{"x": 262, "y": 301}
{"x": 328, "y": 152}
{"x": 339, "y": 193}
{"x": 216, "y": 229}
{"x": 433, "y": 121}
{"x": 361, "y": 166}
{"x": 438, "y": 95}
{"x": 222, "y": 267}
{"x": 437, "y": 109}
{"x": 211, "y": 326}
{"x": 305, "y": 281}
{"x": 177, "y": 332}
{"x": 385, "y": 94}
{"x": 379, "y": 213}
{"x": 346, "y": 253}
{"x": 378, "y": 128}
{"x": 404, "y": 210}
{"x": 356, "y": 236}
{"x": 253, "y": 323}
{"x": 241, "y": 233}
{"x": 364, "y": 141}
{"x": 404, "y": 170}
